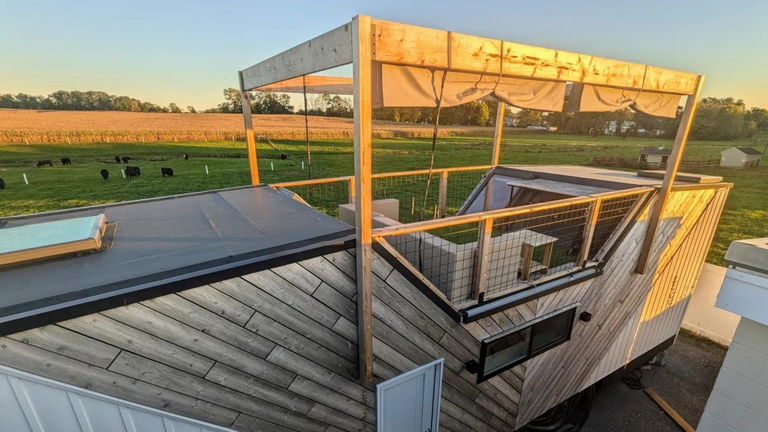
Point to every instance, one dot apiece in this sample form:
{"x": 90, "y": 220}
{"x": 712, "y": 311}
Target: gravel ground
{"x": 684, "y": 381}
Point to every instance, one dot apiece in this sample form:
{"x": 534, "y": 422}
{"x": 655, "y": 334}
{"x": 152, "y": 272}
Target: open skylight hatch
{"x": 51, "y": 239}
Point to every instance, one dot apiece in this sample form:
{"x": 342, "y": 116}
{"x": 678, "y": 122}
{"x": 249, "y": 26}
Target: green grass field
{"x": 746, "y": 213}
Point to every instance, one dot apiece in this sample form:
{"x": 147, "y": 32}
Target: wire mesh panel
{"x": 612, "y": 212}
{"x": 325, "y": 197}
{"x": 526, "y": 247}
{"x": 445, "y": 256}
{"x": 418, "y": 201}
{"x": 460, "y": 186}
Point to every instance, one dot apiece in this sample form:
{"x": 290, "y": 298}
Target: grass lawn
{"x": 746, "y": 213}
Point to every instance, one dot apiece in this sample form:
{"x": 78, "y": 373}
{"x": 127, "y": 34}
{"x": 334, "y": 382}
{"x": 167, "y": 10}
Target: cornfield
{"x": 33, "y": 126}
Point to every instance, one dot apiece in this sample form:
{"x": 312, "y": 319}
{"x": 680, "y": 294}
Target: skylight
{"x": 51, "y": 239}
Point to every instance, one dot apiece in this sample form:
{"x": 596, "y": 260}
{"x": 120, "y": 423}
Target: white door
{"x": 411, "y": 402}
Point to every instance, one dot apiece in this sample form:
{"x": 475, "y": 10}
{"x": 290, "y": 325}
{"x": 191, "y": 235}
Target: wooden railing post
{"x": 480, "y": 281}
{"x": 442, "y": 198}
{"x": 589, "y": 232}
{"x": 351, "y": 190}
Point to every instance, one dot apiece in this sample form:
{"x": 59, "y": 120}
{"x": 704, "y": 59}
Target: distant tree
{"x": 759, "y": 116}
{"x": 338, "y": 106}
{"x": 191, "y": 109}
{"x": 232, "y": 101}
{"x": 527, "y": 118}
{"x": 174, "y": 108}
{"x": 719, "y": 119}
{"x": 271, "y": 103}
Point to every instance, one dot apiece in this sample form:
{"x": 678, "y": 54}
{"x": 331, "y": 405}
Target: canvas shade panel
{"x": 409, "y": 86}
{"x": 600, "y": 98}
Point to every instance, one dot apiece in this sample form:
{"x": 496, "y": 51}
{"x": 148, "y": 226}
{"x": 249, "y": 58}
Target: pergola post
{"x": 361, "y": 72}
{"x": 673, "y": 163}
{"x": 498, "y": 133}
{"x": 250, "y": 139}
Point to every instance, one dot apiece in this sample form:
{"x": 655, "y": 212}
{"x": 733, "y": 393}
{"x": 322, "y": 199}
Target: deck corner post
{"x": 250, "y": 139}
{"x": 498, "y": 133}
{"x": 673, "y": 164}
{"x": 480, "y": 282}
{"x": 361, "y": 72}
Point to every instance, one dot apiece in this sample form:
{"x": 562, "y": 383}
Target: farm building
{"x": 654, "y": 157}
{"x": 740, "y": 157}
{"x": 466, "y": 298}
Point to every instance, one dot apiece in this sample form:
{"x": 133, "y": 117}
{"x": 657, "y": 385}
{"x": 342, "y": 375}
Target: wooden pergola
{"x": 369, "y": 43}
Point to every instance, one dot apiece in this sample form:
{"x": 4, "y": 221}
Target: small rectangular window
{"x": 510, "y": 348}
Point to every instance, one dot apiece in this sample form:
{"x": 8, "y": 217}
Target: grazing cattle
{"x": 117, "y": 159}
{"x": 2, "y": 184}
{"x": 47, "y": 162}
{"x": 166, "y": 172}
{"x": 105, "y": 174}
{"x": 125, "y": 159}
{"x": 132, "y": 172}
{"x": 66, "y": 161}
{"x": 186, "y": 156}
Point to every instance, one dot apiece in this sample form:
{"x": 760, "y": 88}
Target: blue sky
{"x": 188, "y": 51}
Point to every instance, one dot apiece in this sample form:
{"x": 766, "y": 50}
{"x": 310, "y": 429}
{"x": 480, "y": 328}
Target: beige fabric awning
{"x": 598, "y": 98}
{"x": 411, "y": 86}
{"x": 408, "y": 86}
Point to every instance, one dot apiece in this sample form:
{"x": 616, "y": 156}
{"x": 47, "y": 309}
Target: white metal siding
{"x": 30, "y": 403}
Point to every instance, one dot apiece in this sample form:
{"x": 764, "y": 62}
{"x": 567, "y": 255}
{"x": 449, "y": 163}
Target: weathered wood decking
{"x": 277, "y": 350}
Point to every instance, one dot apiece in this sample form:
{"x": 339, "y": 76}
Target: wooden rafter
{"x": 673, "y": 163}
{"x": 326, "y": 51}
{"x": 315, "y": 84}
{"x": 421, "y": 46}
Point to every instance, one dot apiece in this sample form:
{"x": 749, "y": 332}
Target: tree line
{"x": 90, "y": 100}
{"x": 716, "y": 118}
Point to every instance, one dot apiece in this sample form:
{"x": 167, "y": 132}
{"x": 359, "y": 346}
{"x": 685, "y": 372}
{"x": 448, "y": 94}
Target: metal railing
{"x": 448, "y": 188}
{"x": 474, "y": 257}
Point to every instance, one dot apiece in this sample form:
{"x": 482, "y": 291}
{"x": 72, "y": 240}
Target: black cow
{"x": 125, "y": 159}
{"x": 66, "y": 161}
{"x": 132, "y": 172}
{"x": 46, "y": 162}
{"x": 166, "y": 172}
{"x": 2, "y": 184}
{"x": 117, "y": 159}
{"x": 186, "y": 156}
{"x": 105, "y": 174}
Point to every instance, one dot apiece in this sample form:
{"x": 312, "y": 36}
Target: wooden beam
{"x": 673, "y": 163}
{"x": 403, "y": 44}
{"x": 316, "y": 84}
{"x": 326, "y": 51}
{"x": 250, "y": 139}
{"x": 669, "y": 410}
{"x": 498, "y": 133}
{"x": 363, "y": 118}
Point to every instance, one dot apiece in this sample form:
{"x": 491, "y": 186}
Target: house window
{"x": 508, "y": 349}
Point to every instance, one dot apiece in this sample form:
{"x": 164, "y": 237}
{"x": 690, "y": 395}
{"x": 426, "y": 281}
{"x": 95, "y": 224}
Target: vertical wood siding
{"x": 618, "y": 299}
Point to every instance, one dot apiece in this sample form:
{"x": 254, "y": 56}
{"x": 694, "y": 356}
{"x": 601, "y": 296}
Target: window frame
{"x": 485, "y": 343}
